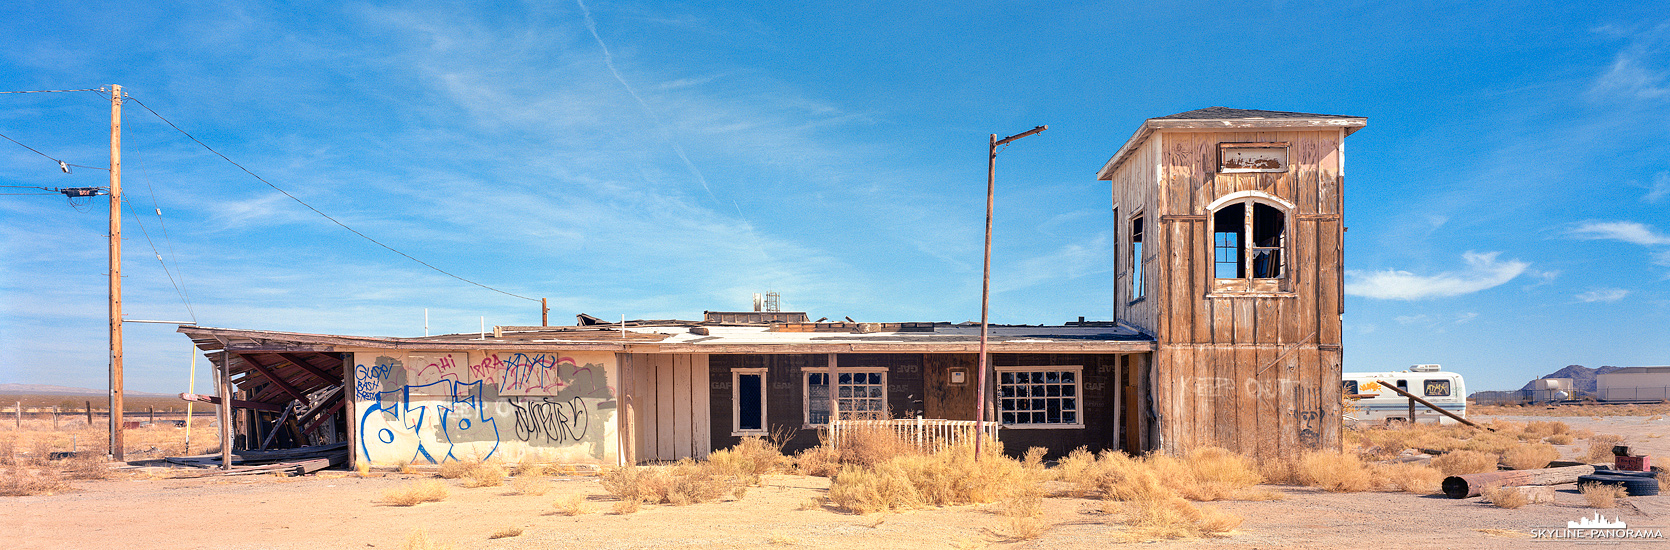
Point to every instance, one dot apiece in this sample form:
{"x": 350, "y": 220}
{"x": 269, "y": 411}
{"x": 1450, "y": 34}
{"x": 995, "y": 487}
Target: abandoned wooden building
{"x": 1227, "y": 300}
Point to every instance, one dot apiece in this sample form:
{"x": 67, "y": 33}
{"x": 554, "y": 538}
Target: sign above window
{"x": 1252, "y": 157}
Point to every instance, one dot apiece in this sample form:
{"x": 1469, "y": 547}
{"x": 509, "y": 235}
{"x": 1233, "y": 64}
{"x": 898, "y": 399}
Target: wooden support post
{"x": 834, "y": 404}
{"x": 89, "y": 414}
{"x": 20, "y": 415}
{"x": 116, "y": 272}
{"x": 225, "y": 391}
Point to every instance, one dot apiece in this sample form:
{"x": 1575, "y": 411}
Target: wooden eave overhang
{"x": 240, "y": 341}
{"x": 1148, "y": 127}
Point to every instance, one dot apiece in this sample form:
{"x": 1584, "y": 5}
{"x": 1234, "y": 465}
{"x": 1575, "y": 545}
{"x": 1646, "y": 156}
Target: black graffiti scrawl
{"x": 1309, "y": 402}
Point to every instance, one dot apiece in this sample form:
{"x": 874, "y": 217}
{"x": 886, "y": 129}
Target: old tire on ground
{"x": 1635, "y": 486}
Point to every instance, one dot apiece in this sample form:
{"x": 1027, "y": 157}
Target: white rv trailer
{"x": 1429, "y": 382}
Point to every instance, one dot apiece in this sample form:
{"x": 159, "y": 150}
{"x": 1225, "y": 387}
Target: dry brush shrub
{"x": 574, "y": 505}
{"x": 506, "y": 532}
{"x": 1462, "y": 462}
{"x": 947, "y": 477}
{"x": 1559, "y": 439}
{"x": 1203, "y": 474}
{"x": 1531, "y": 456}
{"x": 416, "y": 493}
{"x": 749, "y": 460}
{"x": 19, "y": 480}
{"x": 419, "y": 540}
{"x": 1600, "y": 447}
{"x": 1407, "y": 477}
{"x": 870, "y": 446}
{"x": 1504, "y": 497}
{"x": 1334, "y": 472}
{"x": 1175, "y": 518}
{"x": 1538, "y": 429}
{"x": 1600, "y": 495}
{"x": 821, "y": 461}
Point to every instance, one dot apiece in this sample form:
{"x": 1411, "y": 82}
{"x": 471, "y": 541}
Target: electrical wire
{"x": 52, "y": 91}
{"x": 165, "y": 270}
{"x": 180, "y": 288}
{"x": 49, "y": 157}
{"x": 316, "y": 210}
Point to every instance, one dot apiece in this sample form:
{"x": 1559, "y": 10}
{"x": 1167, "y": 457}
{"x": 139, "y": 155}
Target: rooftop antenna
{"x": 772, "y": 301}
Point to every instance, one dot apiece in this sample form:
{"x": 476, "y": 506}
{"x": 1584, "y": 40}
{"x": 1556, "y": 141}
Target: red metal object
{"x": 1632, "y": 463}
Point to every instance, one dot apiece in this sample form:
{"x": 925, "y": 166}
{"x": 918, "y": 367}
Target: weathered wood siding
{"x": 670, "y": 406}
{"x": 1256, "y": 373}
{"x": 1135, "y": 190}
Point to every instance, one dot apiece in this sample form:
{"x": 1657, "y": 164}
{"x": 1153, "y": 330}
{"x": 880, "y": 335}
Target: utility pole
{"x": 986, "y": 289}
{"x": 116, "y": 272}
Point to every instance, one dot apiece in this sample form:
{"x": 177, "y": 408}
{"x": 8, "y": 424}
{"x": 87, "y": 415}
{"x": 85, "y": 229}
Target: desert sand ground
{"x": 341, "y": 510}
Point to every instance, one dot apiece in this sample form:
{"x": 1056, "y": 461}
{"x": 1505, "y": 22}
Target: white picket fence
{"x": 928, "y": 434}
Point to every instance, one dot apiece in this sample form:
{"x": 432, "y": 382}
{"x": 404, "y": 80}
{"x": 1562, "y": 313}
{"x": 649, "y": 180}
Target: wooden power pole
{"x": 116, "y": 272}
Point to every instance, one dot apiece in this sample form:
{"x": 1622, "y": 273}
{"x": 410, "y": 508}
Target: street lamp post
{"x": 986, "y": 288}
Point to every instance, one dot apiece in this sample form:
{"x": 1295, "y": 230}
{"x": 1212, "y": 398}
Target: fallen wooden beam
{"x": 1470, "y": 485}
{"x": 1429, "y": 405}
{"x": 236, "y": 403}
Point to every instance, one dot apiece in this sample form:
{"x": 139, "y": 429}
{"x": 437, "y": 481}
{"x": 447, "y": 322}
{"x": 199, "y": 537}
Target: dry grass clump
{"x": 947, "y": 477}
{"x": 1600, "y": 495}
{"x": 529, "y": 486}
{"x": 1407, "y": 477}
{"x": 683, "y": 483}
{"x": 1462, "y": 462}
{"x": 1544, "y": 428}
{"x": 1203, "y": 474}
{"x": 416, "y": 493}
{"x": 1530, "y": 457}
{"x": 1504, "y": 497}
{"x": 1175, "y": 518}
{"x": 871, "y": 446}
{"x": 506, "y": 532}
{"x": 1600, "y": 447}
{"x": 1024, "y": 510}
{"x": 821, "y": 461}
{"x": 574, "y": 505}
{"x": 419, "y": 540}
{"x": 1335, "y": 472}
{"x": 18, "y": 480}
{"x": 1559, "y": 439}
{"x": 748, "y": 460}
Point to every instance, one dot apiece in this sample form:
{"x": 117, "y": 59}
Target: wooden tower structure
{"x": 1230, "y": 250}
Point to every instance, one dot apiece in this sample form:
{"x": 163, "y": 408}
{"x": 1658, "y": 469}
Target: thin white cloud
{"x": 1465, "y": 317}
{"x": 1635, "y": 73}
{"x": 1629, "y": 232}
{"x": 1483, "y": 271}
{"x": 1603, "y": 295}
{"x": 1659, "y": 189}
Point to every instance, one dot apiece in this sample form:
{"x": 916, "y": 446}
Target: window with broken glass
{"x": 859, "y": 395}
{"x": 1248, "y": 239}
{"x": 1039, "y": 397}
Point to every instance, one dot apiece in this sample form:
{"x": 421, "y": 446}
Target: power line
{"x": 316, "y": 210}
{"x": 53, "y": 91}
{"x": 180, "y": 287}
{"x": 61, "y": 164}
{"x": 177, "y": 289}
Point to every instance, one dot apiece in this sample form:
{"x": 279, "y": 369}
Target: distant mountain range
{"x": 47, "y": 389}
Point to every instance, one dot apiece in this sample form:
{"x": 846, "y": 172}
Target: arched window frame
{"x": 1247, "y": 281}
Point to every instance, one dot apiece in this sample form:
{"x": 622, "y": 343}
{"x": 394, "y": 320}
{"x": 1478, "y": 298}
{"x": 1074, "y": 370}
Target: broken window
{"x": 748, "y": 402}
{"x": 859, "y": 395}
{"x": 1136, "y": 258}
{"x": 1248, "y": 238}
{"x": 1039, "y": 396}
{"x": 1437, "y": 388}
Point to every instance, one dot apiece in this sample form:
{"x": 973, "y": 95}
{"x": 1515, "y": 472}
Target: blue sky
{"x": 1507, "y": 203}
